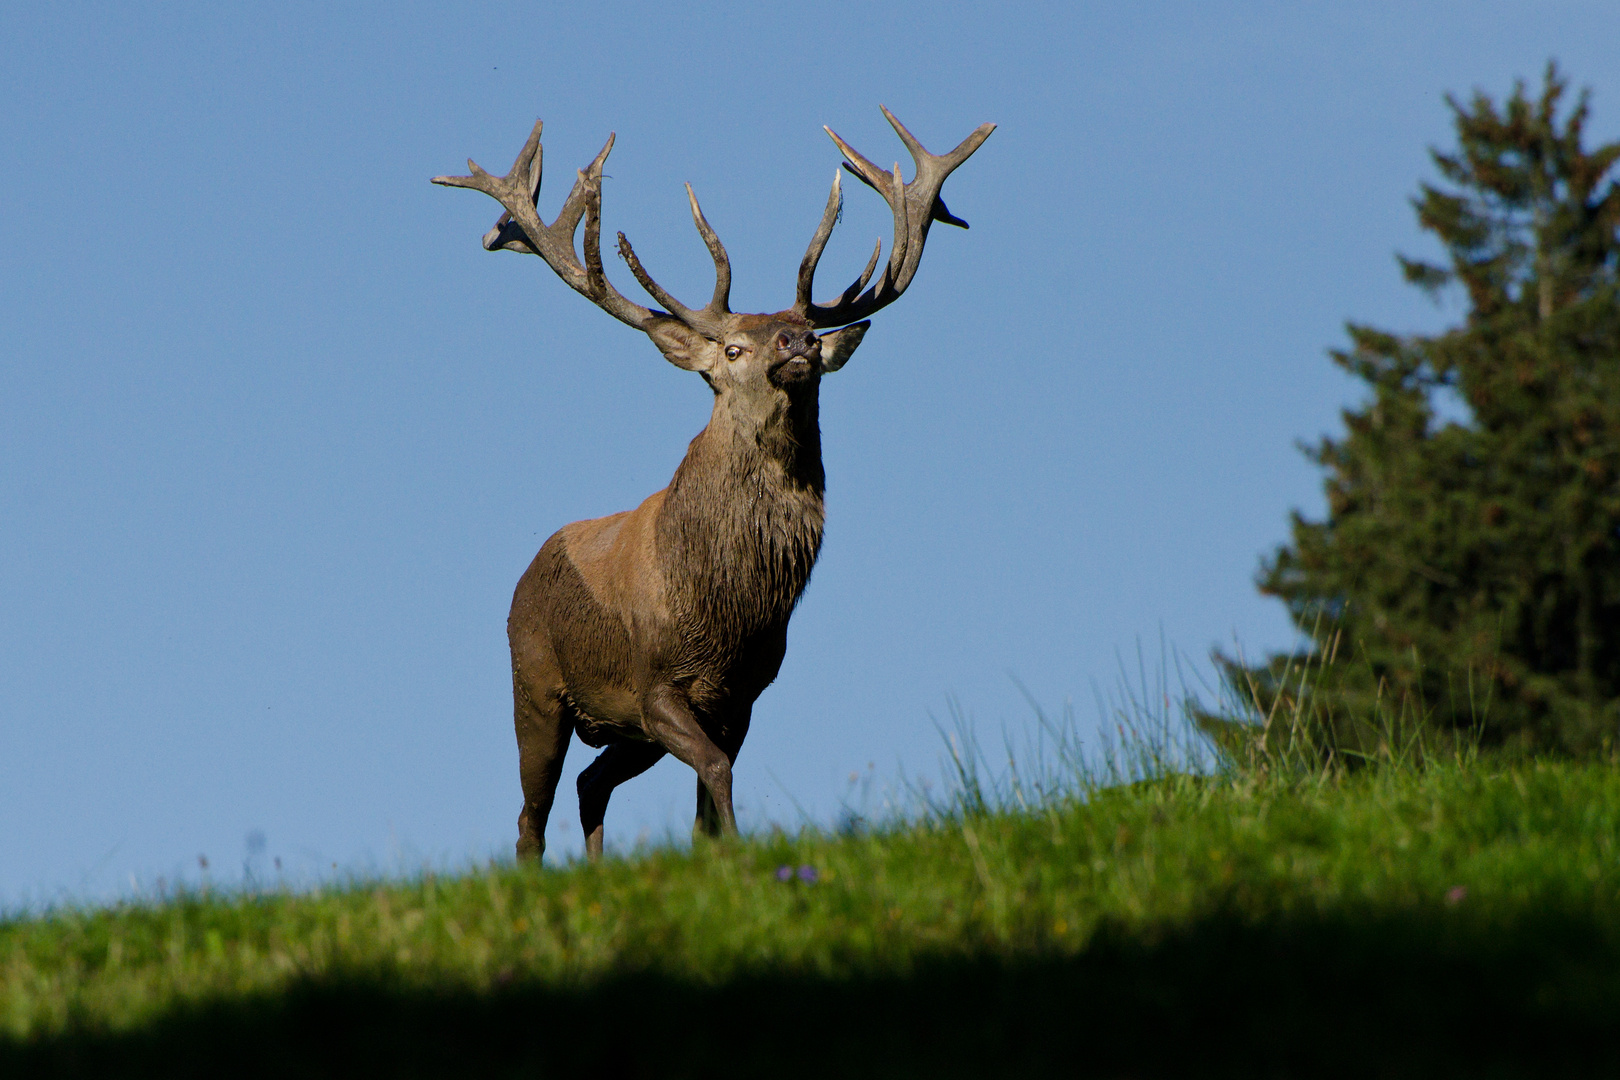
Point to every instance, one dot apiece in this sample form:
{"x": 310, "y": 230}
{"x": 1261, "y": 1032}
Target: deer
{"x": 653, "y": 631}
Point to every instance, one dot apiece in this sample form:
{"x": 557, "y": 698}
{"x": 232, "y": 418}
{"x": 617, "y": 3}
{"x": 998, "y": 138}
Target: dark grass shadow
{"x": 1420, "y": 994}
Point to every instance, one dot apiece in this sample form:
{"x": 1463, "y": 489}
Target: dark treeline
{"x": 1467, "y": 574}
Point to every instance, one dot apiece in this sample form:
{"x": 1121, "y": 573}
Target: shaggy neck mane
{"x": 741, "y": 521}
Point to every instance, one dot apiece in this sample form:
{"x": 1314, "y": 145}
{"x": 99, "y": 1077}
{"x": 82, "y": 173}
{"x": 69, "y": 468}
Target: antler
{"x": 521, "y": 229}
{"x": 916, "y": 206}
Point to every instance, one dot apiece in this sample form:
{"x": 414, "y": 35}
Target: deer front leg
{"x": 707, "y": 822}
{"x": 670, "y": 720}
{"x": 730, "y": 740}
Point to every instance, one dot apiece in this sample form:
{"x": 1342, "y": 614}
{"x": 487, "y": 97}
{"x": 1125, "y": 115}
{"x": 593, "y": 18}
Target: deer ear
{"x": 681, "y": 345}
{"x": 837, "y": 346}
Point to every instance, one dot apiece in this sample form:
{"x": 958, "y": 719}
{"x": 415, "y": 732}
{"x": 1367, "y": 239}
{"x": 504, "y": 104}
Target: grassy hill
{"x": 1396, "y": 922}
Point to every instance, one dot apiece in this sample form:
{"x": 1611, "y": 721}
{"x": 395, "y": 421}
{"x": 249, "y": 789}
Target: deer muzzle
{"x": 798, "y": 356}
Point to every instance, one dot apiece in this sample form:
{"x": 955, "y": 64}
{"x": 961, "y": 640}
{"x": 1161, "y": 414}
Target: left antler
{"x": 916, "y": 206}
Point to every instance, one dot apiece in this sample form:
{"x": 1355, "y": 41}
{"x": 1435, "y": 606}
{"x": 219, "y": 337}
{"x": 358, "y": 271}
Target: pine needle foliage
{"x": 1467, "y": 574}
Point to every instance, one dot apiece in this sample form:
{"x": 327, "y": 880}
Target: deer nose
{"x": 798, "y": 343}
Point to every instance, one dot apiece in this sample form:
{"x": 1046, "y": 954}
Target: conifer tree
{"x": 1467, "y": 573}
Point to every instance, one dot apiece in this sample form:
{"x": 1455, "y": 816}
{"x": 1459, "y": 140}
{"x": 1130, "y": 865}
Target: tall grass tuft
{"x": 1146, "y": 732}
{"x": 1287, "y": 724}
{"x": 1293, "y": 718}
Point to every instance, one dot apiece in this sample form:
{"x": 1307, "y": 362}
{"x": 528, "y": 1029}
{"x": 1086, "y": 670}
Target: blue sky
{"x": 277, "y": 436}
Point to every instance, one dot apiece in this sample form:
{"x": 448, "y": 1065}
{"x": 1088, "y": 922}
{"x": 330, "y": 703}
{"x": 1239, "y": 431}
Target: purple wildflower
{"x": 784, "y": 873}
{"x": 808, "y": 875}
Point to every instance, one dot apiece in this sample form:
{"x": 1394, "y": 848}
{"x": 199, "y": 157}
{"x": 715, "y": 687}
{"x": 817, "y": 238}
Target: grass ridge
{"x": 1462, "y": 915}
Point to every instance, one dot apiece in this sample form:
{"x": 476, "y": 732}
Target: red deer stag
{"x": 653, "y": 631}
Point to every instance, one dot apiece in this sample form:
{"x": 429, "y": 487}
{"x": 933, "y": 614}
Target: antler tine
{"x": 720, "y": 304}
{"x": 818, "y": 243}
{"x": 915, "y": 206}
{"x": 856, "y": 163}
{"x": 521, "y": 228}
{"x": 655, "y": 290}
{"x": 595, "y": 276}
{"x": 901, "y": 248}
{"x": 866, "y": 275}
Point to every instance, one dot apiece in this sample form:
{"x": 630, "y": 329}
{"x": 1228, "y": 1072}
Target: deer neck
{"x": 741, "y": 522}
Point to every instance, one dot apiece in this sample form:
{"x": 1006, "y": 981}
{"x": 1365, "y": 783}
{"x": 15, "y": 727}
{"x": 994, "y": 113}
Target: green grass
{"x": 1396, "y": 922}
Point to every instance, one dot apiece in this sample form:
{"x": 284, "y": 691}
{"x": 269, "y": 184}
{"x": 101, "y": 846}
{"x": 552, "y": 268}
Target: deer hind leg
{"x": 670, "y": 720}
{"x": 543, "y": 730}
{"x": 612, "y": 767}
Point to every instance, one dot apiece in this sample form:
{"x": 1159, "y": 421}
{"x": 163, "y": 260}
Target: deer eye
{"x": 733, "y": 351}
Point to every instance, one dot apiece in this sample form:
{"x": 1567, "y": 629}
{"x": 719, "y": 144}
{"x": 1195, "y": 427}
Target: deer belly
{"x": 603, "y": 716}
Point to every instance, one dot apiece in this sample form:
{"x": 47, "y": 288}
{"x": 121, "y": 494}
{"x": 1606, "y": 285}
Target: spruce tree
{"x": 1467, "y": 574}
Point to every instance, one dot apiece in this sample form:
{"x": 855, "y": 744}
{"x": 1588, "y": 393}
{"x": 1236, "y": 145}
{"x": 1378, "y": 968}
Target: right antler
{"x": 916, "y": 206}
{"x": 520, "y": 229}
